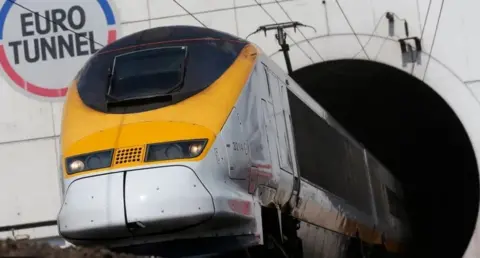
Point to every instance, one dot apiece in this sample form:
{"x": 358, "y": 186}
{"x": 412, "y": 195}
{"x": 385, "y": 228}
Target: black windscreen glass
{"x": 147, "y": 72}
{"x": 143, "y": 71}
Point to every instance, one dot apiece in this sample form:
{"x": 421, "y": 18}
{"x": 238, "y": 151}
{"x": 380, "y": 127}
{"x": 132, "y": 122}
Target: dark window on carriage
{"x": 327, "y": 158}
{"x": 395, "y": 204}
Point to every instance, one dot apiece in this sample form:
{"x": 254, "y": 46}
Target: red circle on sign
{"x": 30, "y": 87}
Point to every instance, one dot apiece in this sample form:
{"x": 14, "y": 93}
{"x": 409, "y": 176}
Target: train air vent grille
{"x": 129, "y": 155}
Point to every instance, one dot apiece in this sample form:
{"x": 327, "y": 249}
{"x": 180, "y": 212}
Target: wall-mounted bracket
{"x": 391, "y": 23}
{"x": 411, "y": 54}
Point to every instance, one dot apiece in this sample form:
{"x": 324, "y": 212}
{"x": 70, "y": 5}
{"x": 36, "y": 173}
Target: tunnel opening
{"x": 415, "y": 133}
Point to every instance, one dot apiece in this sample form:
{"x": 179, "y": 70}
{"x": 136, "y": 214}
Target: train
{"x": 184, "y": 140}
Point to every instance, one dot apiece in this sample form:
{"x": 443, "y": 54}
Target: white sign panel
{"x": 43, "y": 44}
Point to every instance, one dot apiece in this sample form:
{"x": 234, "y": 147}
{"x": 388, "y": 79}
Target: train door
{"x": 280, "y": 118}
{"x": 270, "y": 131}
{"x": 277, "y": 118}
{"x": 290, "y": 138}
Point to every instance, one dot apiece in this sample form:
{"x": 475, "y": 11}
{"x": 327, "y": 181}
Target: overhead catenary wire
{"x": 433, "y": 40}
{"x": 426, "y": 18}
{"x": 372, "y": 35}
{"x": 203, "y": 24}
{"x": 189, "y": 13}
{"x": 423, "y": 31}
{"x": 273, "y": 19}
{"x": 353, "y": 30}
{"x": 362, "y": 46}
{"x": 83, "y": 36}
{"x": 301, "y": 32}
{"x": 175, "y": 1}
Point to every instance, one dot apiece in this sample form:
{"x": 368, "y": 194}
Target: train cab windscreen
{"x": 155, "y": 68}
{"x": 147, "y": 73}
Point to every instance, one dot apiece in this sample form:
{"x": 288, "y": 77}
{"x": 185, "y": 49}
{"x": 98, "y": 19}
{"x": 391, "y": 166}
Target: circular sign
{"x": 43, "y": 44}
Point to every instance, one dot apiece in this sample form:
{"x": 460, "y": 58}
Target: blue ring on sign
{"x": 3, "y": 14}
{"x": 7, "y": 5}
{"x": 107, "y": 10}
{"x": 17, "y": 79}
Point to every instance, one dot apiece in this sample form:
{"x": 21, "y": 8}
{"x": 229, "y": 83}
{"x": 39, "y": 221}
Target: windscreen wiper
{"x": 153, "y": 97}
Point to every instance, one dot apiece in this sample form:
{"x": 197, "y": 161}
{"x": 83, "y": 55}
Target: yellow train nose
{"x": 138, "y": 143}
{"x": 140, "y": 135}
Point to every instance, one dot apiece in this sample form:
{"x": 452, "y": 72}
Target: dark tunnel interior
{"x": 414, "y": 132}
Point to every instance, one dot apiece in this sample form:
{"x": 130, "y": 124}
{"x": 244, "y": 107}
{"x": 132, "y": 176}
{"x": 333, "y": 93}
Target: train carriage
{"x": 189, "y": 135}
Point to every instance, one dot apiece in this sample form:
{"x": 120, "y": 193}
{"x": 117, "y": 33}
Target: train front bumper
{"x": 138, "y": 202}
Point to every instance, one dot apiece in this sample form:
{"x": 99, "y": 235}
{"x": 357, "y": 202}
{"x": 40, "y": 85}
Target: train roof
{"x": 168, "y": 63}
{"x": 169, "y": 34}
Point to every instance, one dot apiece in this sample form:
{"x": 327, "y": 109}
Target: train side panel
{"x": 343, "y": 188}
{"x": 257, "y": 140}
{"x": 276, "y": 113}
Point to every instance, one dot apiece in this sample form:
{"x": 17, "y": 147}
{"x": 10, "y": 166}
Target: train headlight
{"x": 195, "y": 149}
{"x": 89, "y": 161}
{"x": 76, "y": 165}
{"x": 175, "y": 150}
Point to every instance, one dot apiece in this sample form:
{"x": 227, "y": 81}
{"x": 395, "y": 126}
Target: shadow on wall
{"x": 410, "y": 128}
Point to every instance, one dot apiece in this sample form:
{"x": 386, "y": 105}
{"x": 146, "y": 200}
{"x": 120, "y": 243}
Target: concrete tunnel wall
{"x": 30, "y": 121}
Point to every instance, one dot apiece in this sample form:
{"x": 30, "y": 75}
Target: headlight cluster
{"x": 175, "y": 150}
{"x": 155, "y": 152}
{"x": 90, "y": 161}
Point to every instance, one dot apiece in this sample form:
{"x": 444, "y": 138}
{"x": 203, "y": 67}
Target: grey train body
{"x": 282, "y": 152}
{"x": 338, "y": 175}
